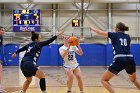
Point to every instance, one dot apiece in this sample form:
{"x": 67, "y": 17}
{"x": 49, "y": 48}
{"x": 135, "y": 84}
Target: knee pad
{"x": 42, "y": 84}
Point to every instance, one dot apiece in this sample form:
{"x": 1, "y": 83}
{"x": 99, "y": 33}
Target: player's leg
{"x": 70, "y": 76}
{"x": 30, "y": 70}
{"x": 1, "y": 89}
{"x": 105, "y": 81}
{"x": 131, "y": 70}
{"x": 26, "y": 84}
{"x": 0, "y": 71}
{"x": 26, "y": 72}
{"x": 135, "y": 80}
{"x": 77, "y": 73}
{"x": 113, "y": 70}
{"x": 40, "y": 74}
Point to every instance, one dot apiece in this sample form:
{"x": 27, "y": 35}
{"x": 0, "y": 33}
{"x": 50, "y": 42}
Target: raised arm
{"x": 47, "y": 42}
{"x": 63, "y": 53}
{"x": 60, "y": 32}
{"x": 100, "y": 32}
{"x": 79, "y": 51}
{"x": 22, "y": 49}
{"x": 19, "y": 50}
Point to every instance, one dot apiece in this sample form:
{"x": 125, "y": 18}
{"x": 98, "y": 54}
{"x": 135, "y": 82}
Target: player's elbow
{"x": 81, "y": 53}
{"x": 63, "y": 55}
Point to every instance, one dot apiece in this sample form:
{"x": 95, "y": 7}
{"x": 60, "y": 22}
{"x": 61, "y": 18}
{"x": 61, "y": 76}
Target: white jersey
{"x": 69, "y": 59}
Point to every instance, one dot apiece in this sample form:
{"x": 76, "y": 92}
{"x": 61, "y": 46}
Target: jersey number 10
{"x": 123, "y": 42}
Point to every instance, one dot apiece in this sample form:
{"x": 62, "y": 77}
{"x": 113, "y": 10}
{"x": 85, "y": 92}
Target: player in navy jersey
{"x": 2, "y": 31}
{"x": 123, "y": 59}
{"x": 28, "y": 64}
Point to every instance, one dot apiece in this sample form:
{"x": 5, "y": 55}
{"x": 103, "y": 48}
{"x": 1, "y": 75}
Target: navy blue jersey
{"x": 1, "y": 48}
{"x": 120, "y": 42}
{"x": 33, "y": 50}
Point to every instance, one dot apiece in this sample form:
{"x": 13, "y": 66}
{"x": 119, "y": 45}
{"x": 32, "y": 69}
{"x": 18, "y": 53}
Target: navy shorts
{"x": 122, "y": 63}
{"x": 28, "y": 69}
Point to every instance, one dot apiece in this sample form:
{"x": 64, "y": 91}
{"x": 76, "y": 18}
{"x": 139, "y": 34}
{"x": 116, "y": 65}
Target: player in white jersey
{"x": 71, "y": 65}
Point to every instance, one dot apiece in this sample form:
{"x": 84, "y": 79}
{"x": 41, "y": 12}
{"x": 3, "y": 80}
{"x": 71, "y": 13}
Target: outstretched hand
{"x": 14, "y": 55}
{"x": 100, "y": 32}
{"x": 78, "y": 43}
{"x": 60, "y": 32}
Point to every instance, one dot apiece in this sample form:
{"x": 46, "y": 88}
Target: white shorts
{"x": 71, "y": 66}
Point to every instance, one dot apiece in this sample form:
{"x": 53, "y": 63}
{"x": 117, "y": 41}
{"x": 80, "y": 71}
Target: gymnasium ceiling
{"x": 22, "y": 38}
{"x": 69, "y": 1}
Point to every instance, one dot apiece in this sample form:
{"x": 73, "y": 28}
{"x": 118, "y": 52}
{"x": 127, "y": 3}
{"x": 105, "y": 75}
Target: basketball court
{"x": 76, "y": 17}
{"x": 56, "y": 81}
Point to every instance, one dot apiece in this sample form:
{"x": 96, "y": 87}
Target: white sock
{"x": 1, "y": 89}
{"x": 44, "y": 92}
{"x": 81, "y": 92}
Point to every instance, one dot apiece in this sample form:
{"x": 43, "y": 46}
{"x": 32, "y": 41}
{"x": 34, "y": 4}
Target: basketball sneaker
{"x": 69, "y": 92}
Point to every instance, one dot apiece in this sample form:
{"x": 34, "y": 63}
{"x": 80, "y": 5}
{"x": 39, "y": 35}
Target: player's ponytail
{"x": 121, "y": 26}
{"x": 34, "y": 36}
{"x": 126, "y": 28}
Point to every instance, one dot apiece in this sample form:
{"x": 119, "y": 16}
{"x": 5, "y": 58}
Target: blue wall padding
{"x": 60, "y": 60}
{"x": 135, "y": 50}
{"x": 54, "y": 55}
{"x": 8, "y": 50}
{"x": 94, "y": 55}
{"x": 44, "y": 58}
{"x": 109, "y": 54}
{"x": 49, "y": 56}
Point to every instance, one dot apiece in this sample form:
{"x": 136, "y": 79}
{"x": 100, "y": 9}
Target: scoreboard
{"x": 26, "y": 20}
{"x": 75, "y": 23}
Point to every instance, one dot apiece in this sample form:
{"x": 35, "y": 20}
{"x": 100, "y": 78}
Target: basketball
{"x": 73, "y": 41}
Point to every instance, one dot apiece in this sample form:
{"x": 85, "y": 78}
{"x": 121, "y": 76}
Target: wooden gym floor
{"x": 56, "y": 81}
